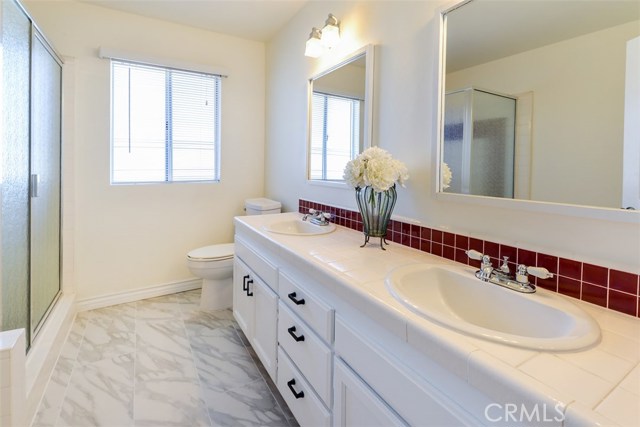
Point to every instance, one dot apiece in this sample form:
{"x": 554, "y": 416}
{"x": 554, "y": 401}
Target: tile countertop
{"x": 598, "y": 386}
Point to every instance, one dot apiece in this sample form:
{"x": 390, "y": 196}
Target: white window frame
{"x": 169, "y": 170}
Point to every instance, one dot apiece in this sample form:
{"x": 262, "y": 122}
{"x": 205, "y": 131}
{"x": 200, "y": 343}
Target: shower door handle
{"x": 33, "y": 187}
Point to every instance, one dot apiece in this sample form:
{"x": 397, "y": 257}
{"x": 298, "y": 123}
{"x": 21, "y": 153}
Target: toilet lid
{"x": 222, "y": 251}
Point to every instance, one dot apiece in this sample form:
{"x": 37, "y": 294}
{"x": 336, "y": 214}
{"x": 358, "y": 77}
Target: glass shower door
{"x": 14, "y": 178}
{"x": 46, "y": 75}
{"x": 479, "y": 142}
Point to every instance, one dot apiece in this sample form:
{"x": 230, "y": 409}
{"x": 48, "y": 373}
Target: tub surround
{"x": 598, "y": 385}
{"x": 599, "y": 285}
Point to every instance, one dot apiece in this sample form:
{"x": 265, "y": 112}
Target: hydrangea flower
{"x": 446, "y": 175}
{"x": 376, "y": 168}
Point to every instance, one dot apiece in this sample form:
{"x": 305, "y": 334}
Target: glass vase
{"x": 375, "y": 208}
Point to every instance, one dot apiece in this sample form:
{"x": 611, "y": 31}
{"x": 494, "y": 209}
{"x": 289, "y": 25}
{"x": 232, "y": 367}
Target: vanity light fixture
{"x": 327, "y": 38}
{"x": 314, "y": 44}
{"x": 331, "y": 32}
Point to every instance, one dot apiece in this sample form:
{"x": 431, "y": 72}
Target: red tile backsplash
{"x": 595, "y": 274}
{"x": 570, "y": 268}
{"x": 613, "y": 289}
{"x": 622, "y": 281}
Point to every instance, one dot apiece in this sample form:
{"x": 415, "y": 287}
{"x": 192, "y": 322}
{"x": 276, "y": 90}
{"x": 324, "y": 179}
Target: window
{"x": 165, "y": 124}
{"x": 335, "y": 135}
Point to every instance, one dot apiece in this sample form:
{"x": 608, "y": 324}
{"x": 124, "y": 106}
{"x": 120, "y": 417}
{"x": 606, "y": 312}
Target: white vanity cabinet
{"x": 255, "y": 303}
{"x": 336, "y": 366}
{"x": 356, "y": 404}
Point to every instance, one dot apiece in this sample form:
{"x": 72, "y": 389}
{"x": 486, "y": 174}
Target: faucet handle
{"x": 540, "y": 272}
{"x": 312, "y": 211}
{"x": 327, "y": 215}
{"x": 523, "y": 271}
{"x": 473, "y": 254}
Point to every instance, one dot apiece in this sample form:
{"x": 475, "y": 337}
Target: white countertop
{"x": 599, "y": 385}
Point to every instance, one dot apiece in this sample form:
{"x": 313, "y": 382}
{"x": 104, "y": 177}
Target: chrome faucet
{"x": 503, "y": 277}
{"x": 317, "y": 217}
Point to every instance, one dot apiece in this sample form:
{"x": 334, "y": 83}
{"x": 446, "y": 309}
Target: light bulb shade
{"x": 314, "y": 46}
{"x": 331, "y": 32}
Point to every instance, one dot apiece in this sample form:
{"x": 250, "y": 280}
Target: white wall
{"x": 578, "y": 111}
{"x": 129, "y": 237}
{"x": 405, "y": 114}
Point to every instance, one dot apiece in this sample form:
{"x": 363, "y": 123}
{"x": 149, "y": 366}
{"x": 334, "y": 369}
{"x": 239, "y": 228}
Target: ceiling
{"x": 256, "y": 20}
{"x": 485, "y": 30}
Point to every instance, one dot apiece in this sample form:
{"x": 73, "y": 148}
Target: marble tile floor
{"x": 159, "y": 362}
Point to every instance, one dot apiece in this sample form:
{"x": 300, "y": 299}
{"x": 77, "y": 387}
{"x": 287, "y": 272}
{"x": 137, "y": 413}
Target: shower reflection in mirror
{"x": 479, "y": 142}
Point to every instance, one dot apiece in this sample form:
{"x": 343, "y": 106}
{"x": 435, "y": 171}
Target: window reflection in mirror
{"x": 567, "y": 65}
{"x": 339, "y": 116}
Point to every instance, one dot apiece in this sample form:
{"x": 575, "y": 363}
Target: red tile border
{"x": 613, "y": 289}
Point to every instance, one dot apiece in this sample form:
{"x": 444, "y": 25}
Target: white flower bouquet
{"x": 376, "y": 168}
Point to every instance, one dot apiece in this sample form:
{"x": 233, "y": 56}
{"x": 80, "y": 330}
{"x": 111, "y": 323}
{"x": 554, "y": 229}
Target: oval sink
{"x": 455, "y": 298}
{"x": 299, "y": 228}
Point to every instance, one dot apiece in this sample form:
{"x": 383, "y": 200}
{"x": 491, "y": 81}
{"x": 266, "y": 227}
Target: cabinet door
{"x": 264, "y": 334}
{"x": 243, "y": 305}
{"x": 355, "y": 404}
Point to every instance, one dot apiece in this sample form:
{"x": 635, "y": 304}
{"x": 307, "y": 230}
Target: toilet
{"x": 214, "y": 264}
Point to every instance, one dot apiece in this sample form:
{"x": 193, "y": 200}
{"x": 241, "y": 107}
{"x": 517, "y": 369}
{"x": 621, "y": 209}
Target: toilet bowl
{"x": 214, "y": 264}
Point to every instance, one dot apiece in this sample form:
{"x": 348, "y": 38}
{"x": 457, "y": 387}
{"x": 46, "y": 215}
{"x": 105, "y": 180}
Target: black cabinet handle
{"x": 292, "y": 331}
{"x": 249, "y": 293}
{"x": 292, "y": 297}
{"x": 244, "y": 282}
{"x": 296, "y": 394}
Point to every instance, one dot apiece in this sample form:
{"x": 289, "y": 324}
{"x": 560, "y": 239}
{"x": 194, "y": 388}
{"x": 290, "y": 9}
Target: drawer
{"x": 296, "y": 391}
{"x": 310, "y": 354}
{"x": 260, "y": 266}
{"x": 312, "y": 310}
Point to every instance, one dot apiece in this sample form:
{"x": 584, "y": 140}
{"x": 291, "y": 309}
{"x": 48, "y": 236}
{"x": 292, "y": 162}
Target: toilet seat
{"x": 212, "y": 253}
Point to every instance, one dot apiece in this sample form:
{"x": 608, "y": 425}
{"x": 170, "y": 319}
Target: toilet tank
{"x": 262, "y": 206}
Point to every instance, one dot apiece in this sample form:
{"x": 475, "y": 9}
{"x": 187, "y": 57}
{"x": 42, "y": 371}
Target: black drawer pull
{"x": 292, "y": 331}
{"x": 244, "y": 282}
{"x": 249, "y": 293}
{"x": 296, "y": 394}
{"x": 292, "y": 297}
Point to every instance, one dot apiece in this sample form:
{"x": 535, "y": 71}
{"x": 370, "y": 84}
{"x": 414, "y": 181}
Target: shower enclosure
{"x": 479, "y": 142}
{"x": 29, "y": 173}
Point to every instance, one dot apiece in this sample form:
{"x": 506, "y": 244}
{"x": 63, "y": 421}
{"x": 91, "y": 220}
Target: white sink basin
{"x": 455, "y": 298}
{"x": 297, "y": 227}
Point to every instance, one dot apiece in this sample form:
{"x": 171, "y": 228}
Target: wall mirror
{"x": 339, "y": 123}
{"x": 540, "y": 101}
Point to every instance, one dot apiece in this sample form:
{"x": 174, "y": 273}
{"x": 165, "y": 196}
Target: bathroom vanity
{"x": 343, "y": 351}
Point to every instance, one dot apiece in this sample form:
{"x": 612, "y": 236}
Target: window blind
{"x": 165, "y": 124}
{"x": 335, "y": 135}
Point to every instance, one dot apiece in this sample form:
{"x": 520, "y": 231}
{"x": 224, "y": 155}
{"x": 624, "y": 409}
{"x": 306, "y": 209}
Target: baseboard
{"x": 137, "y": 294}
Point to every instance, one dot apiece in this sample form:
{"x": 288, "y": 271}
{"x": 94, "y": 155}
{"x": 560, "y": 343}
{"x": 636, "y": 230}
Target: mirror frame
{"x": 368, "y": 52}
{"x": 593, "y": 212}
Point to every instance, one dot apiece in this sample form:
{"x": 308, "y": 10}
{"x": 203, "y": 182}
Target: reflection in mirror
{"x": 339, "y": 117}
{"x": 569, "y": 69}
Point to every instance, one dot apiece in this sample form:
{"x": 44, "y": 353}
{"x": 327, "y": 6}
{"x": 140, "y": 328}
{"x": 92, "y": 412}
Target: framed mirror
{"x": 540, "y": 102}
{"x": 340, "y": 116}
